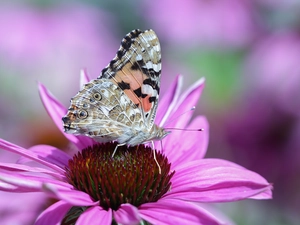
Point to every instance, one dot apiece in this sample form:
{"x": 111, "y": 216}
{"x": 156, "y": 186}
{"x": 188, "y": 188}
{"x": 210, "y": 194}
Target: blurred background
{"x": 248, "y": 51}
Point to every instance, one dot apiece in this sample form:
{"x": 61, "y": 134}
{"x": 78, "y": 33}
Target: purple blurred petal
{"x": 95, "y": 215}
{"x": 174, "y": 211}
{"x": 226, "y": 23}
{"x": 56, "y": 111}
{"x": 168, "y": 101}
{"x": 215, "y": 180}
{"x": 127, "y": 214}
{"x": 192, "y": 145}
{"x": 53, "y": 214}
{"x": 21, "y": 151}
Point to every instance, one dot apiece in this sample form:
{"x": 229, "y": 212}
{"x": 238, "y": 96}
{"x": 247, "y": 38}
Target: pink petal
{"x": 50, "y": 154}
{"x": 216, "y": 180}
{"x": 54, "y": 188}
{"x": 28, "y": 182}
{"x": 188, "y": 100}
{"x": 53, "y": 214}
{"x": 191, "y": 146}
{"x": 56, "y": 111}
{"x": 174, "y": 211}
{"x": 24, "y": 168}
{"x": 23, "y": 185}
{"x": 71, "y": 196}
{"x": 168, "y": 101}
{"x": 84, "y": 78}
{"x": 10, "y": 188}
{"x": 182, "y": 113}
{"x": 127, "y": 214}
{"x": 95, "y": 215}
{"x": 28, "y": 154}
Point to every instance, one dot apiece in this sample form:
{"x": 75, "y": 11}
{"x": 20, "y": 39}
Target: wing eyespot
{"x": 97, "y": 96}
{"x": 82, "y": 114}
{"x": 85, "y": 105}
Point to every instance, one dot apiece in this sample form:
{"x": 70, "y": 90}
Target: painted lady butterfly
{"x": 120, "y": 105}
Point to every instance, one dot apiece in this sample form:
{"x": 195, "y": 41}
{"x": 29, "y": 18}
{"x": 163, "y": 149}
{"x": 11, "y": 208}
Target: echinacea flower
{"x": 93, "y": 188}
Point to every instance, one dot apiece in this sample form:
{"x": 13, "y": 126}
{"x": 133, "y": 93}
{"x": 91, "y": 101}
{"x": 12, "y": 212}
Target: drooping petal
{"x": 95, "y": 215}
{"x": 28, "y": 182}
{"x": 191, "y": 146}
{"x": 51, "y": 154}
{"x": 168, "y": 101}
{"x": 10, "y": 188}
{"x": 53, "y": 214}
{"x": 216, "y": 180}
{"x": 71, "y": 196}
{"x": 29, "y": 154}
{"x": 24, "y": 168}
{"x": 174, "y": 211}
{"x": 54, "y": 188}
{"x": 56, "y": 111}
{"x": 127, "y": 214}
{"x": 18, "y": 181}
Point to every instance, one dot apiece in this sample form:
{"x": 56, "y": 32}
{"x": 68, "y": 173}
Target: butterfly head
{"x": 158, "y": 133}
{"x": 75, "y": 119}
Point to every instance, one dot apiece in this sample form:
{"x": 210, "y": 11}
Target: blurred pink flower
{"x": 193, "y": 179}
{"x": 66, "y": 33}
{"x": 263, "y": 128}
{"x": 201, "y": 22}
{"x": 273, "y": 70}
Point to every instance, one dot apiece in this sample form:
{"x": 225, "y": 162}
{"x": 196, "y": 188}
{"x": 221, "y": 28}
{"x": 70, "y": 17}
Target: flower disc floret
{"x": 130, "y": 176}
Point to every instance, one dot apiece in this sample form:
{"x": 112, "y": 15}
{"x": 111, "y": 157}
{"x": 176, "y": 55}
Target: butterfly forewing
{"x": 136, "y": 69}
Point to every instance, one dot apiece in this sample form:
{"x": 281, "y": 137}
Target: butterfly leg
{"x": 115, "y": 150}
{"x": 154, "y": 156}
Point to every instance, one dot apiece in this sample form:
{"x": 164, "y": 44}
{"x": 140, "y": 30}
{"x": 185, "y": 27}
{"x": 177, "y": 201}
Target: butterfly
{"x": 120, "y": 105}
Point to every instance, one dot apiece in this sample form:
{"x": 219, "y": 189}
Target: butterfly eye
{"x": 97, "y": 96}
{"x": 82, "y": 114}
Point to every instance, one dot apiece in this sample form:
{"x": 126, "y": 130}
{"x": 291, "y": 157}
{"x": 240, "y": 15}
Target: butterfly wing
{"x": 102, "y": 111}
{"x": 121, "y": 104}
{"x": 136, "y": 69}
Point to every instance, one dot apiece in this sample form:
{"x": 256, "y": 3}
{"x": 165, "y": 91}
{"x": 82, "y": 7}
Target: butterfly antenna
{"x": 200, "y": 129}
{"x": 193, "y": 108}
